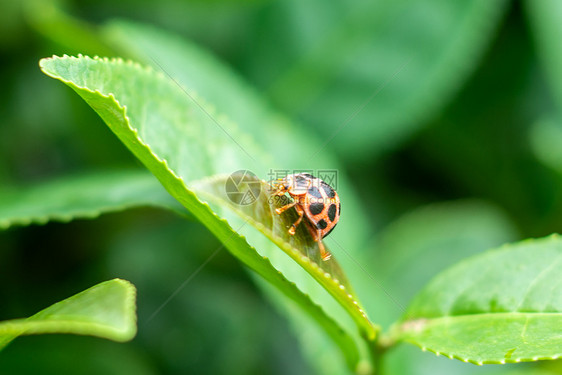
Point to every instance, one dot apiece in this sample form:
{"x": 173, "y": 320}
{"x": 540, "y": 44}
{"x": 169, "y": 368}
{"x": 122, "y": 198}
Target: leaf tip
{"x": 130, "y": 329}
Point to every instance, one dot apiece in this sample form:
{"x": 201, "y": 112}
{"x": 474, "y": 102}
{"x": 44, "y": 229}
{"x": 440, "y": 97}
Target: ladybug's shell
{"x": 321, "y": 203}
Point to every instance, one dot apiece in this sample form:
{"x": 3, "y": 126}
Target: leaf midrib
{"x": 476, "y": 314}
{"x": 21, "y": 326}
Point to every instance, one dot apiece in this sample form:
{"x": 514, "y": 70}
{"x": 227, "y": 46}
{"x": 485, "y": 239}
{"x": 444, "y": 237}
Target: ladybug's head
{"x": 298, "y": 184}
{"x": 283, "y": 184}
{"x": 294, "y": 184}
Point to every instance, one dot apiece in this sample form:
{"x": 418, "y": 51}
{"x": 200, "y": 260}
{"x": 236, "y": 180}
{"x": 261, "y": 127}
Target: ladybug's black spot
{"x": 314, "y": 192}
{"x": 328, "y": 189}
{"x": 322, "y": 224}
{"x": 332, "y": 212}
{"x": 339, "y": 208}
{"x": 316, "y": 208}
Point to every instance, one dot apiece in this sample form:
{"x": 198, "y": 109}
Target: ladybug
{"x": 313, "y": 199}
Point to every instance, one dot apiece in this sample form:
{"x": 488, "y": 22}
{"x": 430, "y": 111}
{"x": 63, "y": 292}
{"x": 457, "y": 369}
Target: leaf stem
{"x": 377, "y": 348}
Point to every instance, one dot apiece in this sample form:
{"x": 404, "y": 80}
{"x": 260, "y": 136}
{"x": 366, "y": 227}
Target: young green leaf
{"x": 502, "y": 306}
{"x": 105, "y": 310}
{"x": 182, "y": 141}
{"x": 83, "y": 196}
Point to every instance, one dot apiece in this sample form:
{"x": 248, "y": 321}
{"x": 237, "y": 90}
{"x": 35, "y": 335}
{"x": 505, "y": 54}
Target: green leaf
{"x": 545, "y": 24}
{"x": 546, "y": 141}
{"x": 429, "y": 239}
{"x": 106, "y": 310}
{"x": 182, "y": 140}
{"x": 502, "y": 306}
{"x": 372, "y": 72}
{"x": 83, "y": 196}
{"x": 416, "y": 247}
{"x": 64, "y": 354}
{"x": 546, "y": 134}
{"x": 50, "y": 19}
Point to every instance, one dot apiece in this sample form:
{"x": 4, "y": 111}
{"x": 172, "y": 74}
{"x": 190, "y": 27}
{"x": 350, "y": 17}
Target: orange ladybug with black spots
{"x": 314, "y": 200}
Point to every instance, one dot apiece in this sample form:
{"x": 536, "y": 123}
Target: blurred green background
{"x": 445, "y": 116}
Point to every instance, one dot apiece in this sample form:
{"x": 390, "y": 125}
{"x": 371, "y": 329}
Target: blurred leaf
{"x": 11, "y": 24}
{"x": 187, "y": 143}
{"x": 546, "y": 140}
{"x": 106, "y": 310}
{"x": 503, "y": 306}
{"x": 544, "y": 16}
{"x": 370, "y": 72}
{"x": 83, "y": 196}
{"x": 63, "y": 354}
{"x": 75, "y": 35}
{"x": 427, "y": 240}
{"x": 417, "y": 246}
{"x": 546, "y": 135}
{"x": 423, "y": 242}
{"x": 479, "y": 146}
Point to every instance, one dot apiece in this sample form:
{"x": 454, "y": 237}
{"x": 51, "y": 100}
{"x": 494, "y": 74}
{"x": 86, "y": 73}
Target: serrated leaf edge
{"x": 27, "y": 326}
{"x": 480, "y": 363}
{"x": 87, "y": 214}
{"x": 418, "y": 324}
{"x": 419, "y": 320}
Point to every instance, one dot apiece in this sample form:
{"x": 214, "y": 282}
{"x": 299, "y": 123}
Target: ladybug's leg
{"x": 293, "y": 227}
{"x": 324, "y": 254}
{"x": 317, "y": 236}
{"x": 280, "y": 210}
{"x": 279, "y": 192}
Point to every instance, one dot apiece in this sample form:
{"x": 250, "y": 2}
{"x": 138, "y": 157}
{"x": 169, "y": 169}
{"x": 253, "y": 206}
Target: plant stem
{"x": 377, "y": 349}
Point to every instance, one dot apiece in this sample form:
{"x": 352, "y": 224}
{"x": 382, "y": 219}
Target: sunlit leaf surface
{"x": 501, "y": 306}
{"x": 106, "y": 310}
